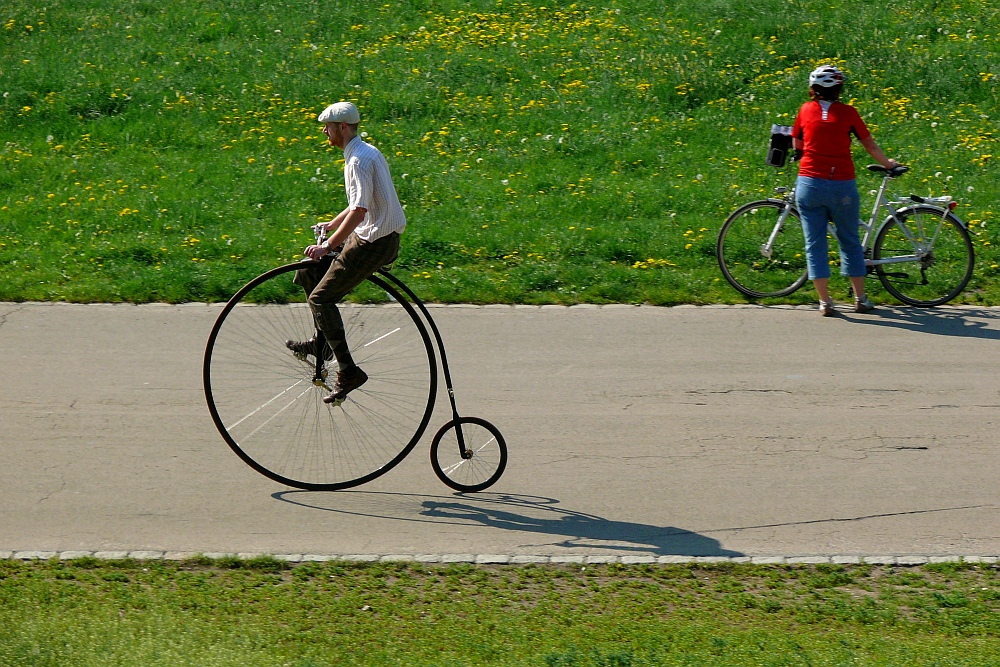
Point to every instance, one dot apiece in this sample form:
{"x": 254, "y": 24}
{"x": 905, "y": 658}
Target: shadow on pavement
{"x": 968, "y": 323}
{"x": 526, "y": 514}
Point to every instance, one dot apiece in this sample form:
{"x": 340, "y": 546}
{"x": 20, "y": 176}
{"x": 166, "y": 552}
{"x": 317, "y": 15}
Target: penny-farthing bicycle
{"x": 267, "y": 402}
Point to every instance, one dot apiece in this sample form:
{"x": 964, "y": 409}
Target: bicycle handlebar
{"x": 319, "y": 231}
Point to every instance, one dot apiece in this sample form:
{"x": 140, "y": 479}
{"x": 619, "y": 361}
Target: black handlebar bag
{"x": 780, "y": 146}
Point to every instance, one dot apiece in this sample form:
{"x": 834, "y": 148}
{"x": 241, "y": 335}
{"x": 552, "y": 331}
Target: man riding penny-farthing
{"x": 267, "y": 369}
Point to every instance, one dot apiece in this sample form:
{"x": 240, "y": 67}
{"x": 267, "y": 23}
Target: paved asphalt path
{"x": 632, "y": 430}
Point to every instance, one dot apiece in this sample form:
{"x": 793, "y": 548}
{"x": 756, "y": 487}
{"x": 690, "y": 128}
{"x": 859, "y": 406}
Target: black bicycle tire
{"x": 458, "y": 486}
{"x": 885, "y": 279}
{"x": 289, "y": 481}
{"x": 720, "y": 250}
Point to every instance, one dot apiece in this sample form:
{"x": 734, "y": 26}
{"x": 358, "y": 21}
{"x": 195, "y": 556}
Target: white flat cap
{"x": 341, "y": 112}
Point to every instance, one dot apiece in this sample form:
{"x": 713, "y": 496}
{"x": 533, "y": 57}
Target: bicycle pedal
{"x": 337, "y": 402}
{"x": 321, "y": 382}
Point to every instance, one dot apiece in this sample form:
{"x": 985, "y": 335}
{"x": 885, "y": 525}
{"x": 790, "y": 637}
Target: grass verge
{"x": 265, "y": 612}
{"x": 545, "y": 151}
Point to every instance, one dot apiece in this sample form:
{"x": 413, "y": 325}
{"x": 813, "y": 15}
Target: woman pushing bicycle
{"x": 826, "y": 190}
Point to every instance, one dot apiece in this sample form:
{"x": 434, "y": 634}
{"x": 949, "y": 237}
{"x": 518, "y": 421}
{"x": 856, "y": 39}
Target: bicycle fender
{"x": 960, "y": 221}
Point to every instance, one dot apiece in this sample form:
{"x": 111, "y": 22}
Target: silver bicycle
{"x": 921, "y": 251}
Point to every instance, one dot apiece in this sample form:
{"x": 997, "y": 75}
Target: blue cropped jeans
{"x": 821, "y": 201}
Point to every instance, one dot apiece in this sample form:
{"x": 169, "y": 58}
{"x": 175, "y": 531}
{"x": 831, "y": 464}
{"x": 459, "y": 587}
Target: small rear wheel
{"x": 935, "y": 252}
{"x": 744, "y": 263}
{"x": 483, "y": 460}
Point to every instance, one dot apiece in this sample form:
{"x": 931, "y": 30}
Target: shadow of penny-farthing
{"x": 555, "y": 525}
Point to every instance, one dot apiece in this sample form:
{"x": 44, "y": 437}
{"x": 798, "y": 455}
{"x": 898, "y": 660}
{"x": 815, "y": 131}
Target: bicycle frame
{"x": 384, "y": 271}
{"x": 466, "y": 453}
{"x": 922, "y": 247}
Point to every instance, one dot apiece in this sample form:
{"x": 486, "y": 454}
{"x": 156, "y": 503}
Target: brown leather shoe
{"x": 345, "y": 384}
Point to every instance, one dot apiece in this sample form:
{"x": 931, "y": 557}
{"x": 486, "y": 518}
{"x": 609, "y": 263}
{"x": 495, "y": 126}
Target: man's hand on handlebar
{"x": 320, "y": 250}
{"x": 316, "y": 252}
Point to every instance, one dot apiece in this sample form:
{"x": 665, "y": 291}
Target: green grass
{"x": 263, "y": 612}
{"x": 545, "y": 151}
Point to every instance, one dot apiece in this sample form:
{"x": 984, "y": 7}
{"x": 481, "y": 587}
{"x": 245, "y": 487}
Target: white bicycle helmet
{"x": 826, "y": 76}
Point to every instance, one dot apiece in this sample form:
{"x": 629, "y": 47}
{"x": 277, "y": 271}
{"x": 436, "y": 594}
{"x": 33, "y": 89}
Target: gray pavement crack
{"x": 864, "y": 517}
{"x": 4, "y": 316}
{"x": 62, "y": 487}
{"x": 883, "y": 391}
{"x": 738, "y": 391}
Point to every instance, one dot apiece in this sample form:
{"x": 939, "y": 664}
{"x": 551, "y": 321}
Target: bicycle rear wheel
{"x": 485, "y": 458}
{"x": 267, "y": 403}
{"x": 933, "y": 277}
{"x": 742, "y": 260}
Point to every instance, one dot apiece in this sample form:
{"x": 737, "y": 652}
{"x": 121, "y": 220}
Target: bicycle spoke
{"x": 256, "y": 410}
{"x": 485, "y": 459}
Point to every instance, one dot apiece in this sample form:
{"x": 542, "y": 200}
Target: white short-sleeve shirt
{"x": 369, "y": 186}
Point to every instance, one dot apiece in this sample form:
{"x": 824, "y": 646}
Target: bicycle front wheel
{"x": 744, "y": 260}
{"x": 267, "y": 403}
{"x": 935, "y": 256}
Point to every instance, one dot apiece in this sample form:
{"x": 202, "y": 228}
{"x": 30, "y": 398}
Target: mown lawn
{"x": 545, "y": 151}
{"x": 264, "y": 612}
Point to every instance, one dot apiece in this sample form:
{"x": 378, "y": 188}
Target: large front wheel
{"x": 748, "y": 264}
{"x": 930, "y": 256}
{"x": 268, "y": 403}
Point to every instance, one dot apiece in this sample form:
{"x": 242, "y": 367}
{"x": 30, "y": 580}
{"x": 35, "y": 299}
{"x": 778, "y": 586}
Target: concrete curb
{"x": 504, "y": 306}
{"x": 903, "y": 560}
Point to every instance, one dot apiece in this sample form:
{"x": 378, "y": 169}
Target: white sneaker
{"x": 865, "y": 306}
